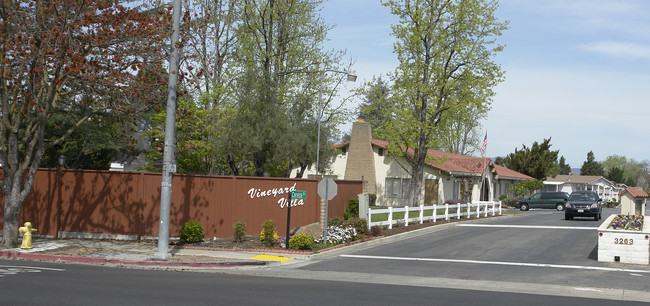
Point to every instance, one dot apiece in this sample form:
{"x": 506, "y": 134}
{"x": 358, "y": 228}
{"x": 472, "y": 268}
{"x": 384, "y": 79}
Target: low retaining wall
{"x": 623, "y": 246}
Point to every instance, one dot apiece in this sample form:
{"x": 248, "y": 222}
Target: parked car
{"x": 546, "y": 199}
{"x": 584, "y": 203}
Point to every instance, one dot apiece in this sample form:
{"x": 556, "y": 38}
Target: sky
{"x": 576, "y": 71}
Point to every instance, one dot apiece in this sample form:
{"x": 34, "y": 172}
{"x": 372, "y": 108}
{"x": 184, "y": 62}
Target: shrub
{"x": 503, "y": 197}
{"x": 335, "y": 222}
{"x": 239, "y": 232}
{"x": 268, "y": 235}
{"x": 372, "y": 199}
{"x": 191, "y": 232}
{"x": 352, "y": 210}
{"x": 360, "y": 225}
{"x": 360, "y": 237}
{"x": 376, "y": 230}
{"x": 301, "y": 242}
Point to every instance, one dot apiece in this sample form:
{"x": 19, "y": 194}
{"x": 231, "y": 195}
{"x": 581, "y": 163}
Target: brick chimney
{"x": 361, "y": 161}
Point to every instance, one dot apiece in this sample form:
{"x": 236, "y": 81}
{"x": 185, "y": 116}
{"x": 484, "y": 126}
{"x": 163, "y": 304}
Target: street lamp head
{"x": 352, "y": 77}
{"x": 61, "y": 160}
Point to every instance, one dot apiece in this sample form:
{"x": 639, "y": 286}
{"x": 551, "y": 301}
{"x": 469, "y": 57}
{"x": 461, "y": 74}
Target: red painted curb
{"x": 96, "y": 260}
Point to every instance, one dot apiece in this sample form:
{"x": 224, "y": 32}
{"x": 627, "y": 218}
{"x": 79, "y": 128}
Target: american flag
{"x": 484, "y": 144}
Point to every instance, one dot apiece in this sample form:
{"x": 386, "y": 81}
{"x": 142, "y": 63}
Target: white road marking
{"x": 36, "y": 268}
{"x": 501, "y": 263}
{"x": 588, "y": 289}
{"x": 528, "y": 226}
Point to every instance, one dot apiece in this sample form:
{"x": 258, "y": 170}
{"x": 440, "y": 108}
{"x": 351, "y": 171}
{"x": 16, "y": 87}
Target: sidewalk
{"x": 139, "y": 253}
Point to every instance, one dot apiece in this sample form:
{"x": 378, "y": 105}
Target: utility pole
{"x": 169, "y": 166}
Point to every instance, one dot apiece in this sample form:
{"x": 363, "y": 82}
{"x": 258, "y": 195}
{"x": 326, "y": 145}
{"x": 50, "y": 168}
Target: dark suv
{"x": 545, "y": 199}
{"x": 584, "y": 203}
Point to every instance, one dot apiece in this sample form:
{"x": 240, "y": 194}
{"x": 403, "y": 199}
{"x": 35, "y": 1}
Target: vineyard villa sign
{"x": 282, "y": 193}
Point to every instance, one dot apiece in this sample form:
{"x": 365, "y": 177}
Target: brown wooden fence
{"x": 128, "y": 203}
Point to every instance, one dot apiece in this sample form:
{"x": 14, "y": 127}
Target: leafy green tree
{"x": 444, "y": 48}
{"x": 459, "y": 130}
{"x": 524, "y": 188}
{"x": 615, "y": 175}
{"x": 591, "y": 166}
{"x": 564, "y": 168}
{"x": 375, "y": 106}
{"x": 537, "y": 161}
{"x": 282, "y": 69}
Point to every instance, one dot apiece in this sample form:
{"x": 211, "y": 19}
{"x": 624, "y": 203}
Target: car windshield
{"x": 582, "y": 197}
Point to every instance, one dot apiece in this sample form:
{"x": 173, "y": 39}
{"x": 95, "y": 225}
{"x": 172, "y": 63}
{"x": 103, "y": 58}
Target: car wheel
{"x": 596, "y": 218}
{"x": 524, "y": 207}
{"x": 559, "y": 207}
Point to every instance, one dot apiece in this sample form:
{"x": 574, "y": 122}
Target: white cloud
{"x": 619, "y": 49}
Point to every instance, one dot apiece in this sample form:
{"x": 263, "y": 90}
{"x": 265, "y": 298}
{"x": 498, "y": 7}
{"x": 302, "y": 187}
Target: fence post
{"x": 406, "y": 216}
{"x": 390, "y": 217}
{"x": 458, "y": 211}
{"x": 493, "y": 210}
{"x": 469, "y": 210}
{"x": 435, "y": 213}
{"x": 486, "y": 203}
{"x": 478, "y": 209}
{"x": 446, "y": 211}
{"x": 499, "y": 208}
{"x": 421, "y": 214}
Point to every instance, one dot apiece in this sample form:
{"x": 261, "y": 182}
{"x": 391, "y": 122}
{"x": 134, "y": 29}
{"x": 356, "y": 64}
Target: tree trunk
{"x": 416, "y": 184}
{"x": 11, "y": 219}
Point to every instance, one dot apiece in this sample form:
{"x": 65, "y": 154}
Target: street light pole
{"x": 351, "y": 78}
{"x": 169, "y": 166}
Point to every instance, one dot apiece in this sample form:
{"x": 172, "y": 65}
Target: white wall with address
{"x": 625, "y": 246}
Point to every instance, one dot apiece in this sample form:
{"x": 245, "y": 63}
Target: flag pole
{"x": 483, "y": 176}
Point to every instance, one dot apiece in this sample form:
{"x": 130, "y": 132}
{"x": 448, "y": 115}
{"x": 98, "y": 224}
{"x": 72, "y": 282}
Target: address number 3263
{"x": 623, "y": 241}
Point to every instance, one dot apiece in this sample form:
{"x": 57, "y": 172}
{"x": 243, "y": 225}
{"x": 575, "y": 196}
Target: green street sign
{"x": 298, "y": 195}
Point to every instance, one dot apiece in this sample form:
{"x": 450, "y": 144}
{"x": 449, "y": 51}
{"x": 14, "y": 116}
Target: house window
{"x": 380, "y": 152}
{"x": 397, "y": 188}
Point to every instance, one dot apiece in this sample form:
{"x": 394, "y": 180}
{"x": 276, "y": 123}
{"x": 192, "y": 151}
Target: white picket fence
{"x": 451, "y": 211}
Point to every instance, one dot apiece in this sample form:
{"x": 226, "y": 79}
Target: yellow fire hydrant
{"x": 27, "y": 235}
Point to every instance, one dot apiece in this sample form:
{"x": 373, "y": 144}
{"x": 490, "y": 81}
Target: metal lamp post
{"x": 169, "y": 165}
{"x": 351, "y": 78}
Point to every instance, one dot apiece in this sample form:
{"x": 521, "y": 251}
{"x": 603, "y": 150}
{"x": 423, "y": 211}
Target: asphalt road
{"x": 535, "y": 252}
{"x": 33, "y": 283}
{"x": 499, "y": 261}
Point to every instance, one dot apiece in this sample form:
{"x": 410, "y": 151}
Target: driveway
{"x": 534, "y": 252}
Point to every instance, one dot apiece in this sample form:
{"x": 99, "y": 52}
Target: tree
{"x": 635, "y": 173}
{"x": 563, "y": 167}
{"x": 444, "y": 48}
{"x": 537, "y": 161}
{"x": 281, "y": 69}
{"x": 459, "y": 130}
{"x": 591, "y": 166}
{"x": 523, "y": 188}
{"x": 375, "y": 107}
{"x": 62, "y": 56}
{"x": 615, "y": 175}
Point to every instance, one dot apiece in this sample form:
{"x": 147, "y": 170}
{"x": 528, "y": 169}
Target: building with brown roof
{"x": 569, "y": 183}
{"x": 633, "y": 200}
{"x": 447, "y": 176}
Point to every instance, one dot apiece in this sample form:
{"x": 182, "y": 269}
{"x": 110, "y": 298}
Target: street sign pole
{"x": 326, "y": 190}
{"x": 326, "y": 204}
{"x": 286, "y": 241}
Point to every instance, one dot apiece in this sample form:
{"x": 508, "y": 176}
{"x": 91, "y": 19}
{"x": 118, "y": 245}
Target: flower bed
{"x": 624, "y": 239}
{"x": 627, "y": 223}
